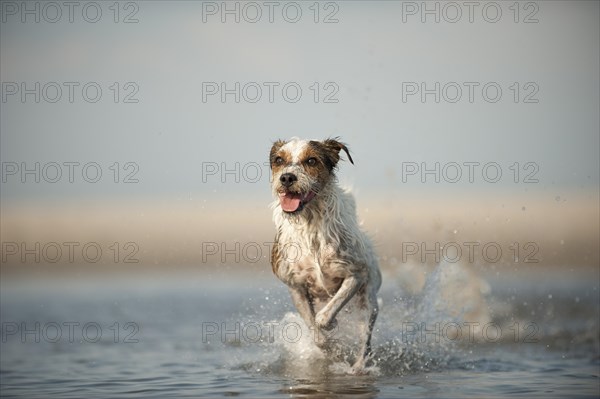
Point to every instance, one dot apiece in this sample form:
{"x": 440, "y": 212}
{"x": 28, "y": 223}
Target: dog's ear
{"x": 276, "y": 146}
{"x": 333, "y": 148}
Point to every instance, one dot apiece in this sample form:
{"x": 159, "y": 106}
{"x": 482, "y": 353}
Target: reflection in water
{"x": 319, "y": 377}
{"x": 324, "y": 386}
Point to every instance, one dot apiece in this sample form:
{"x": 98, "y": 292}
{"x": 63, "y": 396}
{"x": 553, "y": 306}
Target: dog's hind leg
{"x": 365, "y": 350}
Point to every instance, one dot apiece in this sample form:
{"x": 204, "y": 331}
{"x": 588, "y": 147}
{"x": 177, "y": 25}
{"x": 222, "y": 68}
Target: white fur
{"x": 295, "y": 147}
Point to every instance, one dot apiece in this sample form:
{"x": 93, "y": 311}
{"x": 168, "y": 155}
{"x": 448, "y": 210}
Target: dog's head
{"x": 301, "y": 169}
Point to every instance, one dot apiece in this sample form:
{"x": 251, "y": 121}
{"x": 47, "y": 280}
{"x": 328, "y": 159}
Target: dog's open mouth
{"x": 293, "y": 202}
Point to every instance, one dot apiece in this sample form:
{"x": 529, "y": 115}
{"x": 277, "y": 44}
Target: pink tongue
{"x": 290, "y": 202}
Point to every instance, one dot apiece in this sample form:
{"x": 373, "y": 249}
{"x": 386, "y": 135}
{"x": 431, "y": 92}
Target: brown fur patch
{"x": 315, "y": 162}
{"x": 329, "y": 151}
{"x": 275, "y": 153}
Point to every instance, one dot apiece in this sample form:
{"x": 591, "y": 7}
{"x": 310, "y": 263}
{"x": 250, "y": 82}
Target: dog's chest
{"x": 312, "y": 267}
{"x": 322, "y": 280}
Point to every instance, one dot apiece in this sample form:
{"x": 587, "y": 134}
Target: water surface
{"x": 204, "y": 336}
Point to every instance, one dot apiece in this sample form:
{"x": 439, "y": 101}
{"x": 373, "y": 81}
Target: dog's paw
{"x": 322, "y": 322}
{"x": 359, "y": 368}
{"x": 358, "y": 371}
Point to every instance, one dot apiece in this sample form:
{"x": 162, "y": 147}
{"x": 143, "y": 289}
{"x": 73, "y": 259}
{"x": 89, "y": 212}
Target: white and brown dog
{"x": 320, "y": 252}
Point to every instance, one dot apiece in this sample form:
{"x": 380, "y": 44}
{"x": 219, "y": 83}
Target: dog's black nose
{"x": 287, "y": 179}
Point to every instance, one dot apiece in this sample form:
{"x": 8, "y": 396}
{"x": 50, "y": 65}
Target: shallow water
{"x": 204, "y": 337}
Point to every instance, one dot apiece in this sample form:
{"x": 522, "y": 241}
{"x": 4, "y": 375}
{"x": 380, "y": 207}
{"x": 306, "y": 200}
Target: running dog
{"x": 320, "y": 252}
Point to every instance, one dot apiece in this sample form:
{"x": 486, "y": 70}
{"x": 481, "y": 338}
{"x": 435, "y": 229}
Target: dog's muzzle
{"x": 290, "y": 200}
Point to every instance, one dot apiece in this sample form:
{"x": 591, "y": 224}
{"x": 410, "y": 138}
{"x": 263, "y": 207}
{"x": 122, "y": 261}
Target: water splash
{"x": 411, "y": 334}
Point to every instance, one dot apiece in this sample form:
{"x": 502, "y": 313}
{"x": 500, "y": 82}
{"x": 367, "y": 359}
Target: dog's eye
{"x": 278, "y": 161}
{"x": 311, "y": 161}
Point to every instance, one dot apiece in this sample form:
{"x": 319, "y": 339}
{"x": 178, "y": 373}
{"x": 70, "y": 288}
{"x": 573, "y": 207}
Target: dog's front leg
{"x": 305, "y": 307}
{"x": 326, "y": 316}
{"x": 303, "y": 304}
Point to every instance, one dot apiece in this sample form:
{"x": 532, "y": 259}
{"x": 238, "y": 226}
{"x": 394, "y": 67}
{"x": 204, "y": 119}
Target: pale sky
{"x": 371, "y": 61}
